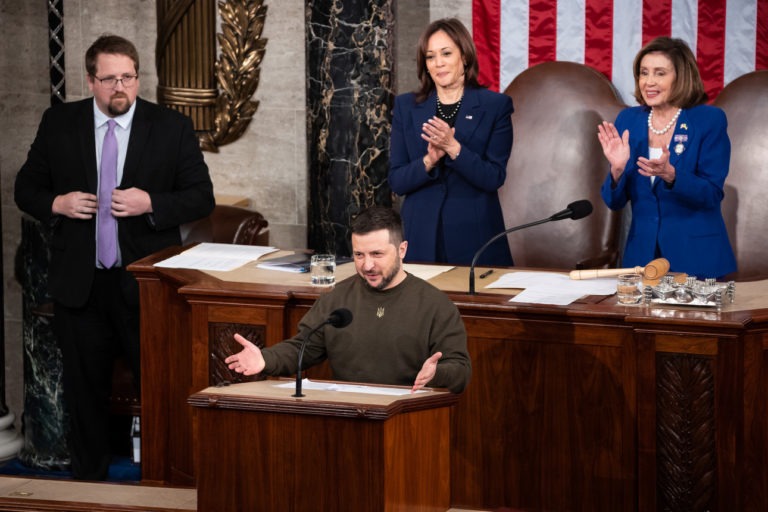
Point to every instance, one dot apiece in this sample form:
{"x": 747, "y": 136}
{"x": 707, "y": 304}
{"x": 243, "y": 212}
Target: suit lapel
{"x": 87, "y": 130}
{"x": 423, "y": 112}
{"x": 680, "y": 139}
{"x": 641, "y": 145}
{"x": 470, "y": 114}
{"x": 140, "y": 130}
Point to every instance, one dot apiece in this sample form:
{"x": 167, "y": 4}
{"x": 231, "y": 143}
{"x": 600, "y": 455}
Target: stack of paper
{"x": 210, "y": 256}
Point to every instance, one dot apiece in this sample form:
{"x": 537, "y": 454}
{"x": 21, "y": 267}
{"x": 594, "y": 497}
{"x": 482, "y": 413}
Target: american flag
{"x": 729, "y": 37}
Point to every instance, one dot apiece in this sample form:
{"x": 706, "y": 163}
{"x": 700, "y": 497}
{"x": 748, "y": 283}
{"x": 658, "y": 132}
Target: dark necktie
{"x": 107, "y": 225}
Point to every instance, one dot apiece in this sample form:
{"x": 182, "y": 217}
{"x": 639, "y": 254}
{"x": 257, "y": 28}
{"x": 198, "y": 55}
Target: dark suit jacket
{"x": 163, "y": 159}
{"x": 683, "y": 219}
{"x": 458, "y": 196}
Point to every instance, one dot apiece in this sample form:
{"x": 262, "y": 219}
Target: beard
{"x": 119, "y": 104}
{"x": 388, "y": 277}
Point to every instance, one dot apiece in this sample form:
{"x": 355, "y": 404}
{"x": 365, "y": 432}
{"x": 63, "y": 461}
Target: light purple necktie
{"x": 107, "y": 225}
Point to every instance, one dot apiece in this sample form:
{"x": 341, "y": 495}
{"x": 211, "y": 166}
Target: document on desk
{"x": 552, "y": 287}
{"x": 425, "y": 272}
{"x": 210, "y": 256}
{"x": 348, "y": 388}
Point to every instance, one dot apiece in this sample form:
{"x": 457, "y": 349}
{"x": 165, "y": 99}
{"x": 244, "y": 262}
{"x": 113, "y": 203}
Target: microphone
{"x": 339, "y": 318}
{"x": 576, "y": 210}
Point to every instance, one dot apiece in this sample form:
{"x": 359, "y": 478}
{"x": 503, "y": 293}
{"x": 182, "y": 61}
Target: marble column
{"x": 349, "y": 99}
{"x": 10, "y": 441}
{"x": 44, "y": 417}
{"x": 43, "y": 421}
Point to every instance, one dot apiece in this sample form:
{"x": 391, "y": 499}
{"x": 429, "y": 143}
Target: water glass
{"x": 322, "y": 268}
{"x": 629, "y": 288}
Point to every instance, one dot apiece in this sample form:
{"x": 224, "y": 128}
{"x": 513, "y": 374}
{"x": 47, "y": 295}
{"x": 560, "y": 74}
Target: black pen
{"x": 486, "y": 274}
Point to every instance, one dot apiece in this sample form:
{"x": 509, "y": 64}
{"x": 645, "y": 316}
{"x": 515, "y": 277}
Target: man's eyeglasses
{"x": 111, "y": 81}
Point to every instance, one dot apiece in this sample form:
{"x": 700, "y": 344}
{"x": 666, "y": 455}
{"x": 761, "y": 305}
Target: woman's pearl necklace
{"x": 669, "y": 125}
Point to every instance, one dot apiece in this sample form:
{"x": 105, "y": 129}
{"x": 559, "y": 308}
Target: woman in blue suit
{"x": 669, "y": 157}
{"x": 450, "y": 144}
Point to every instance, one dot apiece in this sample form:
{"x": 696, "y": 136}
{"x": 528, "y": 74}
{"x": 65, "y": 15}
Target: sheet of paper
{"x": 542, "y": 296}
{"x": 553, "y": 287}
{"x": 425, "y": 272}
{"x": 210, "y": 256}
{"x": 347, "y": 388}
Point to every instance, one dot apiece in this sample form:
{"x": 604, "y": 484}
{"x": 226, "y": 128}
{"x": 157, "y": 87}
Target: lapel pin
{"x": 684, "y": 126}
{"x": 468, "y": 117}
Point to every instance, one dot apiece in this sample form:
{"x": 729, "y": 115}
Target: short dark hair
{"x": 688, "y": 89}
{"x": 459, "y": 34}
{"x": 111, "y": 44}
{"x": 376, "y": 218}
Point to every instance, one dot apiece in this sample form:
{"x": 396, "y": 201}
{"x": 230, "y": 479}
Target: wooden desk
{"x": 330, "y": 450}
{"x": 591, "y": 406}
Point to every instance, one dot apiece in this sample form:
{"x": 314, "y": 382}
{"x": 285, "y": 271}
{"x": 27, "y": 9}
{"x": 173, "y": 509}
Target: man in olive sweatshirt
{"x": 404, "y": 330}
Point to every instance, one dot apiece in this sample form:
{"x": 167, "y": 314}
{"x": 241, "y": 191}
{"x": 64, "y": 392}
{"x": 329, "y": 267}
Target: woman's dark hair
{"x": 459, "y": 34}
{"x": 113, "y": 45}
{"x": 688, "y": 89}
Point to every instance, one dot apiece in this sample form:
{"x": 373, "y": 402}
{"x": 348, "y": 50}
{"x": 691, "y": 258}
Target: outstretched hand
{"x": 427, "y": 372}
{"x": 615, "y": 147}
{"x": 248, "y": 361}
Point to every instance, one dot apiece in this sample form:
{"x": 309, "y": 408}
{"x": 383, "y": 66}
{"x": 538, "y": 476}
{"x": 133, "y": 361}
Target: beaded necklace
{"x": 664, "y": 130}
{"x": 452, "y": 108}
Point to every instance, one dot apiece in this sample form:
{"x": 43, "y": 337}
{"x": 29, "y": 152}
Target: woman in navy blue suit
{"x": 669, "y": 157}
{"x": 450, "y": 144}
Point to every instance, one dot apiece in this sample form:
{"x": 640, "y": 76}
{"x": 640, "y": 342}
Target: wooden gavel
{"x": 656, "y": 269}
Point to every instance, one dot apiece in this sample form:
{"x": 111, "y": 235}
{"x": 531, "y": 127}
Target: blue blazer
{"x": 684, "y": 218}
{"x": 457, "y": 198}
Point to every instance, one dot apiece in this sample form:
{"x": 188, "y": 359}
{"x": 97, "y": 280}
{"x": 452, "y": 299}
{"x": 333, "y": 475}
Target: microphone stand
{"x": 489, "y": 242}
{"x": 301, "y": 356}
{"x": 576, "y": 210}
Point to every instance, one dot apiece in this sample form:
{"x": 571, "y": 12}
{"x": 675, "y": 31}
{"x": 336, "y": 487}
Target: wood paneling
{"x": 569, "y": 408}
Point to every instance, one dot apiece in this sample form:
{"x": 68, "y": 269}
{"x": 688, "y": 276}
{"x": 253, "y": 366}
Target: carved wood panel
{"x": 221, "y": 344}
{"x": 685, "y": 433}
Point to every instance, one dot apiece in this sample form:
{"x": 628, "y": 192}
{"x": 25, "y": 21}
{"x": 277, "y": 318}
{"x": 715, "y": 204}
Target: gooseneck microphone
{"x": 576, "y": 210}
{"x": 339, "y": 318}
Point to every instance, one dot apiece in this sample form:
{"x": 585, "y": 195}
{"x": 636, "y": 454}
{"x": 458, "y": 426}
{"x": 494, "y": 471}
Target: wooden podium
{"x": 259, "y": 448}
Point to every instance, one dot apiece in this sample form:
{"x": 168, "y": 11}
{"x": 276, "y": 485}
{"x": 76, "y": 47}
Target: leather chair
{"x": 228, "y": 225}
{"x": 556, "y": 159}
{"x": 745, "y": 102}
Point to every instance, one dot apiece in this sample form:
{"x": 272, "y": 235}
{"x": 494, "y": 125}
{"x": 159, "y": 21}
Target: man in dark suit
{"x": 114, "y": 177}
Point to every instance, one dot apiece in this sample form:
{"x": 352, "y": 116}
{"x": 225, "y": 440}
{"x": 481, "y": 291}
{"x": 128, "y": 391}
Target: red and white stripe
{"x": 729, "y": 37}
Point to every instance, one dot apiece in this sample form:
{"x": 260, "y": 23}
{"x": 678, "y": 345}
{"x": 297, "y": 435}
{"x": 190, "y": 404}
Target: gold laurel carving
{"x": 238, "y": 69}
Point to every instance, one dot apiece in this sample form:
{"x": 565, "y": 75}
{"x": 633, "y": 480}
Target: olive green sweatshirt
{"x": 391, "y": 334}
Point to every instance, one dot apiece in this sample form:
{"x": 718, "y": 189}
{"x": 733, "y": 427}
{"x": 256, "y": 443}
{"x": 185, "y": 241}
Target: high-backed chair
{"x": 745, "y": 102}
{"x": 556, "y": 159}
{"x": 228, "y": 225}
